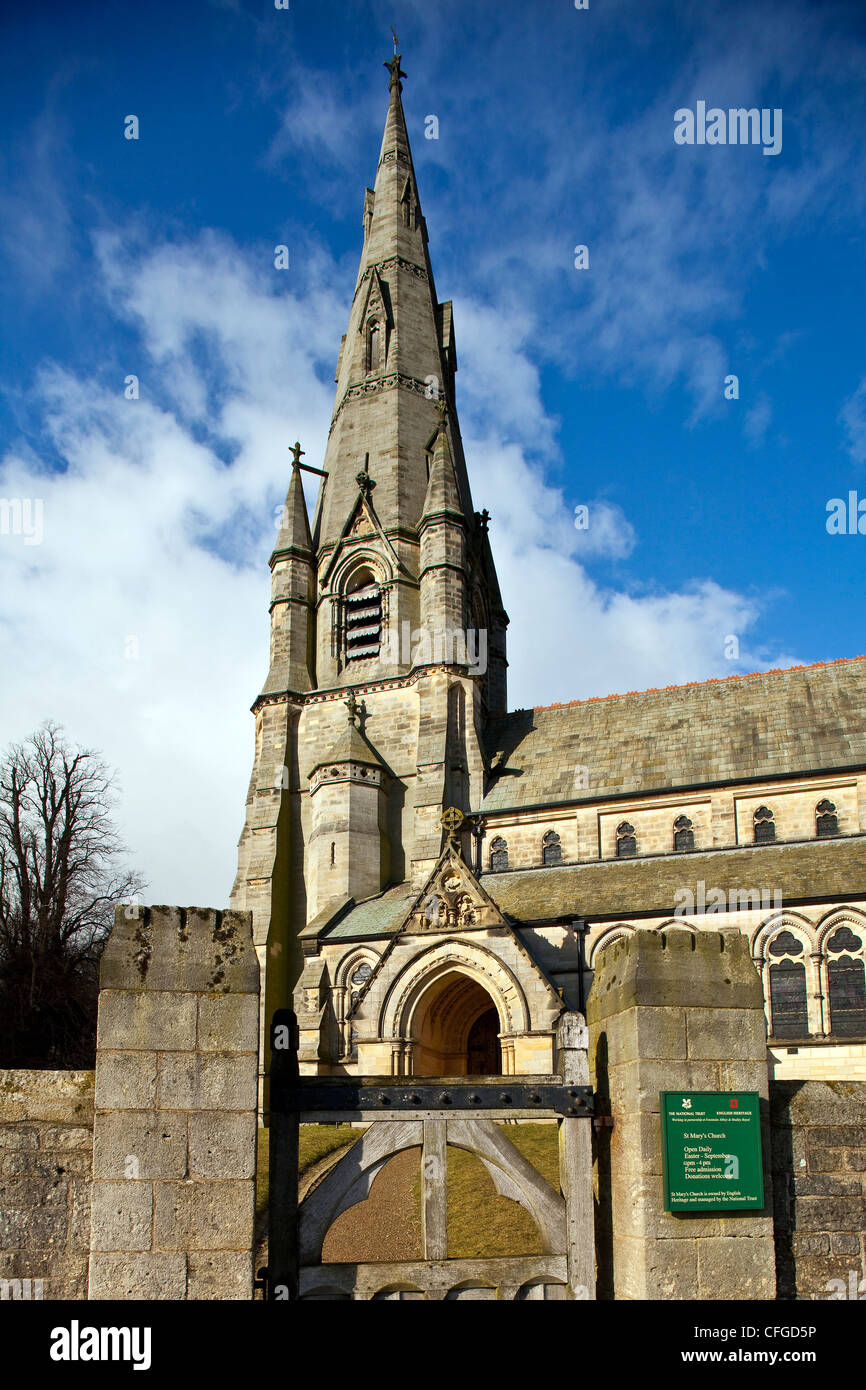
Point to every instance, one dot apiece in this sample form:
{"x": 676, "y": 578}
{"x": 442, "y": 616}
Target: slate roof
{"x": 804, "y": 719}
{"x": 819, "y": 870}
{"x": 810, "y": 869}
{"x": 379, "y": 916}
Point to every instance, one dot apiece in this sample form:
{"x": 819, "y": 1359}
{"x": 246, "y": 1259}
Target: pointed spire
{"x": 294, "y": 533}
{"x": 443, "y": 493}
{"x": 395, "y": 138}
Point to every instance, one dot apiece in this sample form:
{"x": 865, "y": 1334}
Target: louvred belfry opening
{"x": 363, "y": 617}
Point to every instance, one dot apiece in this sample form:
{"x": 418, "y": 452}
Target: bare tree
{"x": 60, "y": 877}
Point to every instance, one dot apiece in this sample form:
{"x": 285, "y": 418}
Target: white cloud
{"x": 129, "y": 548}
{"x": 852, "y": 417}
{"x": 604, "y": 530}
{"x": 757, "y": 421}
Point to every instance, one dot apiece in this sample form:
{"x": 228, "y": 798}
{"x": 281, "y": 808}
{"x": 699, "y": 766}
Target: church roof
{"x": 773, "y": 723}
{"x": 379, "y": 916}
{"x": 627, "y": 889}
{"x": 816, "y": 870}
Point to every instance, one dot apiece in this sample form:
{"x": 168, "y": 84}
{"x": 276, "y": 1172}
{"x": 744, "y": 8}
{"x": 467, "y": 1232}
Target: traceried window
{"x": 363, "y": 616}
{"x": 846, "y": 983}
{"x": 626, "y": 843}
{"x": 765, "y": 826}
{"x": 826, "y": 819}
{"x": 788, "y": 1008}
{"x": 498, "y": 855}
{"x": 551, "y": 849}
{"x": 359, "y": 979}
{"x": 684, "y": 835}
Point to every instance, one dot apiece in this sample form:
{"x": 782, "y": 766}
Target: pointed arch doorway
{"x": 455, "y": 1029}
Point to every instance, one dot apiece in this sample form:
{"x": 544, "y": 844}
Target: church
{"x": 433, "y": 877}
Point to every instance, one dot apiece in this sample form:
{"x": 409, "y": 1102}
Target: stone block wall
{"x": 174, "y": 1147}
{"x": 46, "y": 1135}
{"x": 819, "y": 1187}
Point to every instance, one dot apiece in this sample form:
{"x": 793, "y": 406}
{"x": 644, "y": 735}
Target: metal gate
{"x": 430, "y": 1114}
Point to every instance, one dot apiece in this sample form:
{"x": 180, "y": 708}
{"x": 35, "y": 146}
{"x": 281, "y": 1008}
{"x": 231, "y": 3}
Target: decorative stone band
{"x": 382, "y": 383}
{"x": 296, "y": 700}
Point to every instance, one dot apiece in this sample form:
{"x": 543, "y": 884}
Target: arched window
{"x": 626, "y": 844}
{"x": 684, "y": 835}
{"x": 846, "y": 983}
{"x": 551, "y": 849}
{"x": 765, "y": 826}
{"x": 408, "y": 205}
{"x": 498, "y": 855}
{"x": 374, "y": 346}
{"x": 826, "y": 819}
{"x": 788, "y": 1007}
{"x": 360, "y": 976}
{"x": 363, "y": 616}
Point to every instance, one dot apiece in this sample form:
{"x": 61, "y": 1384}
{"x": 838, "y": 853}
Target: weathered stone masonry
{"x": 174, "y": 1147}
{"x": 46, "y": 1136}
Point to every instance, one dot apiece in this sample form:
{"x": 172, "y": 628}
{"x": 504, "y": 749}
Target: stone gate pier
{"x": 674, "y": 1010}
{"x": 174, "y": 1144}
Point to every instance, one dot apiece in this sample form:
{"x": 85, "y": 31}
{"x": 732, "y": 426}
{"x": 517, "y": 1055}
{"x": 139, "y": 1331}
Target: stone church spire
{"x": 392, "y": 593}
{"x": 397, "y": 362}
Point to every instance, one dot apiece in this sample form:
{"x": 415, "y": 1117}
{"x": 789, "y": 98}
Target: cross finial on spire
{"x": 297, "y": 454}
{"x": 394, "y": 37}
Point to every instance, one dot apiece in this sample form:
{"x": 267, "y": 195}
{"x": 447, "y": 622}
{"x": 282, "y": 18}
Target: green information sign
{"x": 711, "y": 1150}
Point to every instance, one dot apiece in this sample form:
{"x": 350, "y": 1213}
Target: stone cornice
{"x": 390, "y": 382}
{"x": 334, "y": 693}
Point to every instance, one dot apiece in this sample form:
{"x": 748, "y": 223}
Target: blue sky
{"x": 140, "y": 621}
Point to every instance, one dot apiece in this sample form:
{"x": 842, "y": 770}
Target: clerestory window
{"x": 498, "y": 855}
{"x": 626, "y": 841}
{"x": 826, "y": 819}
{"x": 551, "y": 849}
{"x": 765, "y": 826}
{"x": 684, "y": 835}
